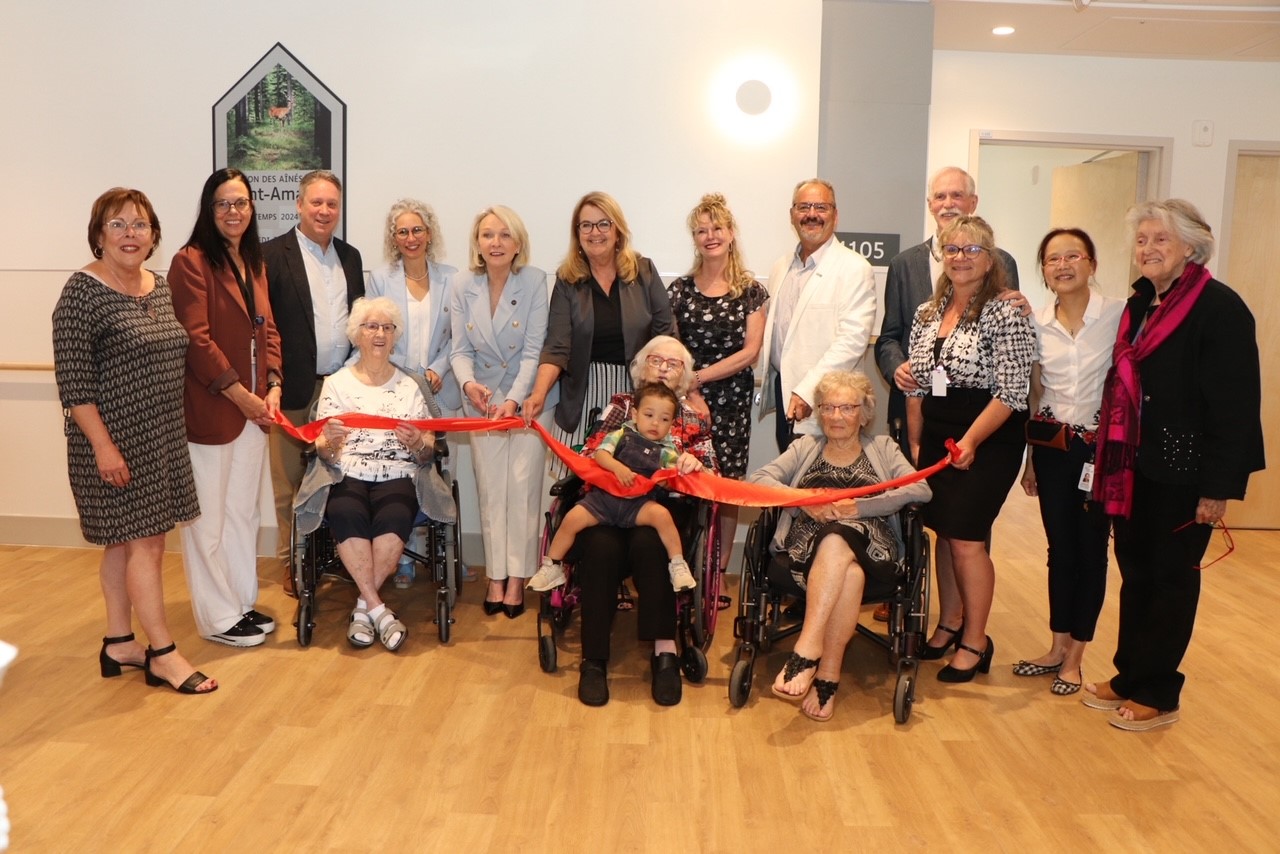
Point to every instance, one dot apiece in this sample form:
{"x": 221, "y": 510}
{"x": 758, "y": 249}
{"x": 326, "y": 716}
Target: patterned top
{"x": 689, "y": 431}
{"x": 638, "y": 448}
{"x": 714, "y": 328}
{"x": 993, "y": 354}
{"x": 882, "y": 545}
{"x": 127, "y": 356}
{"x": 367, "y": 454}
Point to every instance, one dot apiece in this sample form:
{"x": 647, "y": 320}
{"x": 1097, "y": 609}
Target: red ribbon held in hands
{"x": 698, "y": 484}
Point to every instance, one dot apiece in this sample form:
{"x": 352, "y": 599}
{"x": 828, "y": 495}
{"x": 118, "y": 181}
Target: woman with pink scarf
{"x": 1180, "y": 432}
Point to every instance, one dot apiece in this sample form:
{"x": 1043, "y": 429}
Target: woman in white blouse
{"x": 1077, "y": 334}
{"x": 499, "y": 315}
{"x": 419, "y": 284}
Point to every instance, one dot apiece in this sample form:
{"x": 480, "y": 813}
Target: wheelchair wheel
{"x": 547, "y": 653}
{"x": 904, "y": 695}
{"x": 740, "y": 684}
{"x": 696, "y": 628}
{"x": 304, "y": 622}
{"x": 694, "y": 662}
{"x": 443, "y": 621}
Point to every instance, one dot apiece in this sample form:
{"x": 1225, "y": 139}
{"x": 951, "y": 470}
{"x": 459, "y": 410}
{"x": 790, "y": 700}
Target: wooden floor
{"x": 472, "y": 748}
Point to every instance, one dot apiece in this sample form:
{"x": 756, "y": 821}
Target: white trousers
{"x": 220, "y": 548}
{"x": 510, "y": 480}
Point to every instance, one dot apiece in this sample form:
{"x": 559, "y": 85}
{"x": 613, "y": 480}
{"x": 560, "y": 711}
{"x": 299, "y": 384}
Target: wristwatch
{"x": 273, "y": 384}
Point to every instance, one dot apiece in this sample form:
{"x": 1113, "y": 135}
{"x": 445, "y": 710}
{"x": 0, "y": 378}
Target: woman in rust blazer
{"x": 232, "y": 393}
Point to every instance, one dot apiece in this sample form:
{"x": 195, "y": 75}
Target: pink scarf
{"x": 1119, "y": 426}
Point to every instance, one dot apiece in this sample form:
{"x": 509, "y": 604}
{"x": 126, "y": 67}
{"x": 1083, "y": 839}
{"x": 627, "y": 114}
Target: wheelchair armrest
{"x": 441, "y": 449}
{"x": 566, "y": 485}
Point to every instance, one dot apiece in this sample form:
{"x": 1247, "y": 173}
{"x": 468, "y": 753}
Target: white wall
{"x": 529, "y": 104}
{"x": 1095, "y": 95}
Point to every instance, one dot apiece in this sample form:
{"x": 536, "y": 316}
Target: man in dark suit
{"x": 912, "y": 274}
{"x": 313, "y": 278}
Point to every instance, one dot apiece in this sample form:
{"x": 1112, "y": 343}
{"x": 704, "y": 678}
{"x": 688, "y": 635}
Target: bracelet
{"x": 697, "y": 380}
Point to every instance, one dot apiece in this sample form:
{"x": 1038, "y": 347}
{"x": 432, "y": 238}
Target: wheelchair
{"x": 763, "y": 617}
{"x": 698, "y": 521}
{"x": 314, "y": 555}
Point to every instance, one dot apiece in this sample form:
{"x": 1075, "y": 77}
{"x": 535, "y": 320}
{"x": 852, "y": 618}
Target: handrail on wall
{"x": 25, "y": 366}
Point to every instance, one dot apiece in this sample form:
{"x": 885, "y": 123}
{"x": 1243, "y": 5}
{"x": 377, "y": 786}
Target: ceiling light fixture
{"x": 1002, "y": 31}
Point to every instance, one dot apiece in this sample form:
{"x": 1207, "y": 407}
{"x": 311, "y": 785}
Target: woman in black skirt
{"x": 971, "y": 353}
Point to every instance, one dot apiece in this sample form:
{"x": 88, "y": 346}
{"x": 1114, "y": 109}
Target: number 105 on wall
{"x": 876, "y": 248}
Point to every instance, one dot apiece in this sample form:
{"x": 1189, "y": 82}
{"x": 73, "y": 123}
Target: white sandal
{"x": 360, "y": 631}
{"x": 391, "y": 631}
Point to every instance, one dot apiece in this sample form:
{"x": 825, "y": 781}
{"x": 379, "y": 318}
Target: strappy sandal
{"x": 933, "y": 653}
{"x": 189, "y": 685}
{"x": 111, "y": 666}
{"x": 391, "y": 632}
{"x": 796, "y": 664}
{"x": 625, "y": 601}
{"x": 825, "y": 689}
{"x": 360, "y": 631}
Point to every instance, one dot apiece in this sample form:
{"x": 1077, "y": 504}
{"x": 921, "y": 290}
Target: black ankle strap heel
{"x": 111, "y": 667}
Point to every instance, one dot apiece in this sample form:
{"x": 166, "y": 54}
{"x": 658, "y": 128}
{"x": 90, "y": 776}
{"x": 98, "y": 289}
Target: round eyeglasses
{"x": 224, "y": 206}
{"x": 604, "y": 226}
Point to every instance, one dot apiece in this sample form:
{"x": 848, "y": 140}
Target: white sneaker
{"x": 681, "y": 577}
{"x": 550, "y": 575}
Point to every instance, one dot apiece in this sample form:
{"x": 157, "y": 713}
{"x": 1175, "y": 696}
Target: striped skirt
{"x": 603, "y": 382}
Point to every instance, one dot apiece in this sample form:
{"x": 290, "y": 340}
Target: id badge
{"x": 939, "y": 378}
{"x": 1086, "y": 478}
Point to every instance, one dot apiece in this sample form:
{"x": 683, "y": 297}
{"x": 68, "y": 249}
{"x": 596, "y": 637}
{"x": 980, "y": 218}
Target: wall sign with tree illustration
{"x": 277, "y": 123}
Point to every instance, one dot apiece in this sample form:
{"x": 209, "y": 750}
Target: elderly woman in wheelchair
{"x": 836, "y": 553}
{"x": 370, "y": 482}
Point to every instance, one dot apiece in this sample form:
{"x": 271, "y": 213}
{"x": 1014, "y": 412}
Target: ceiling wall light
{"x": 1002, "y": 31}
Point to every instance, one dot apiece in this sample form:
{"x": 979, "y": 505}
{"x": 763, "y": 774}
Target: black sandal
{"x": 111, "y": 666}
{"x": 826, "y": 689}
{"x": 933, "y": 653}
{"x": 796, "y": 664}
{"x": 194, "y": 681}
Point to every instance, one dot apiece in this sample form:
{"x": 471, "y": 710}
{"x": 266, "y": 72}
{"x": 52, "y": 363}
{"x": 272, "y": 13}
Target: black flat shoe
{"x": 667, "y": 685}
{"x": 955, "y": 674}
{"x": 933, "y": 653}
{"x": 492, "y": 608}
{"x": 189, "y": 686}
{"x": 593, "y": 683}
{"x": 110, "y": 666}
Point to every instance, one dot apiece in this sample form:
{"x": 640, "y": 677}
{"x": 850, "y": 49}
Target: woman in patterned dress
{"x": 835, "y": 553}
{"x": 971, "y": 354}
{"x": 720, "y": 310}
{"x": 120, "y": 355}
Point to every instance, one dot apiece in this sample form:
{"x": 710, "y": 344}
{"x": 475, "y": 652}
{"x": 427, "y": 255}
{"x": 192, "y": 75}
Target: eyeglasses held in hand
{"x": 118, "y": 227}
{"x": 815, "y": 207}
{"x": 604, "y": 226}
{"x": 844, "y": 410}
{"x": 241, "y": 204}
{"x": 1226, "y": 538}
{"x": 669, "y": 364}
{"x": 973, "y": 250}
{"x": 374, "y": 326}
{"x": 404, "y": 233}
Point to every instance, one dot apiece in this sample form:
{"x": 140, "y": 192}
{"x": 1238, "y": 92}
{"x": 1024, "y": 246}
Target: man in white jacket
{"x": 822, "y": 306}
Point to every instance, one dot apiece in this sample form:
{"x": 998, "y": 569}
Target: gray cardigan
{"x": 885, "y": 457}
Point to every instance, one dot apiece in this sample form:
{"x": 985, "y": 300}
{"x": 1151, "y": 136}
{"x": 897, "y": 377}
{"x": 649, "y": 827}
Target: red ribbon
{"x": 698, "y": 484}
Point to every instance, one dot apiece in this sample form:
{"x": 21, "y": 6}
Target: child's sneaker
{"x": 681, "y": 577}
{"x": 549, "y": 575}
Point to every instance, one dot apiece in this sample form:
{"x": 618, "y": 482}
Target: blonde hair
{"x": 574, "y": 268}
{"x": 512, "y": 221}
{"x": 435, "y": 242}
{"x": 855, "y": 381}
{"x": 994, "y": 283}
{"x": 714, "y": 207}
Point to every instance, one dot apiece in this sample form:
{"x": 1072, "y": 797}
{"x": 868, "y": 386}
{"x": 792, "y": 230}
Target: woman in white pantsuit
{"x": 499, "y": 316}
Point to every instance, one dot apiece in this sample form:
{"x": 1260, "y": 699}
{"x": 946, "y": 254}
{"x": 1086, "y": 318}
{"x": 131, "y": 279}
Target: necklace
{"x": 421, "y": 278}
{"x": 142, "y": 301}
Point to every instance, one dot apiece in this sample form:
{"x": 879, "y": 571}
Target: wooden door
{"x": 1094, "y": 196}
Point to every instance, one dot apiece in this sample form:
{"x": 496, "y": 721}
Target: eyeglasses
{"x": 844, "y": 410}
{"x": 374, "y": 326}
{"x": 224, "y": 206}
{"x": 404, "y": 233}
{"x": 603, "y": 226}
{"x": 973, "y": 250}
{"x": 1069, "y": 258}
{"x": 118, "y": 227}
{"x": 1226, "y": 538}
{"x": 816, "y": 207}
{"x": 669, "y": 364}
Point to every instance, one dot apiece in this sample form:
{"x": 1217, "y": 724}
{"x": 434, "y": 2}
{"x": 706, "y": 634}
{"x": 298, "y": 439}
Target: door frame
{"x": 1237, "y": 148}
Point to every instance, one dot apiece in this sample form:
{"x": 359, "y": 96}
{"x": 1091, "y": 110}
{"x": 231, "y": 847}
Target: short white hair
{"x": 363, "y": 307}
{"x": 637, "y": 364}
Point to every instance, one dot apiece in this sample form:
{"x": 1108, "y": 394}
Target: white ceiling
{"x": 1176, "y": 29}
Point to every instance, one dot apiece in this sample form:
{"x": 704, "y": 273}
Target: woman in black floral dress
{"x": 719, "y": 309}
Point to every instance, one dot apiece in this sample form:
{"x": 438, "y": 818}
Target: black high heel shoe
{"x": 110, "y": 666}
{"x": 194, "y": 681}
{"x": 955, "y": 674}
{"x": 933, "y": 653}
{"x": 491, "y": 608}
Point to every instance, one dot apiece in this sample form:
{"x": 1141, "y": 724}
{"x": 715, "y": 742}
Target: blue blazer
{"x": 500, "y": 351}
{"x": 389, "y": 282}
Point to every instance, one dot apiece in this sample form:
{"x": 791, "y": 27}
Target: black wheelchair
{"x": 764, "y": 617}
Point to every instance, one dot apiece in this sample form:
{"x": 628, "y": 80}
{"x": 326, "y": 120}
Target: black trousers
{"x": 603, "y": 558}
{"x": 1077, "y": 531}
{"x": 781, "y": 428}
{"x": 1159, "y": 592}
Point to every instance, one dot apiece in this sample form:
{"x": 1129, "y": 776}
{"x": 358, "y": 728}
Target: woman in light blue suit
{"x": 420, "y": 285}
{"x": 499, "y": 316}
